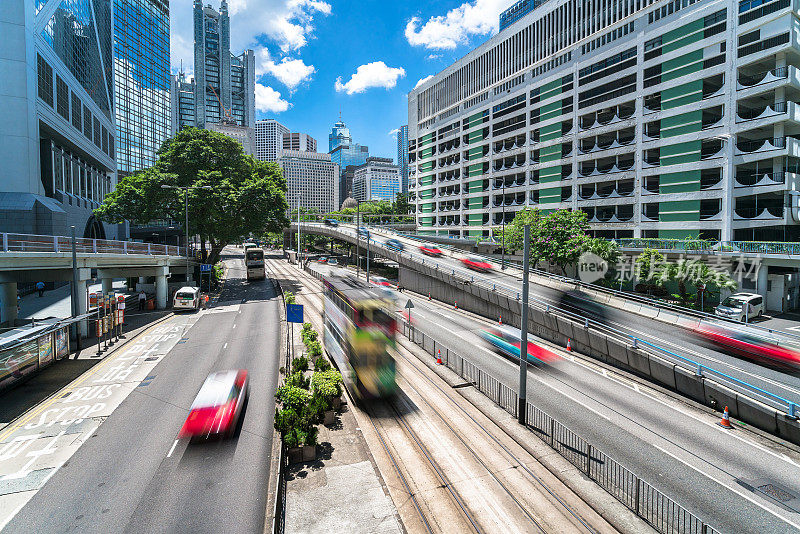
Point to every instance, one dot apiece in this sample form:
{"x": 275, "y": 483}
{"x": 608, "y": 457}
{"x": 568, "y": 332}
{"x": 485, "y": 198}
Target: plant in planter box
{"x": 300, "y": 364}
{"x": 293, "y": 397}
{"x": 314, "y": 349}
{"x": 322, "y": 408}
{"x": 310, "y": 444}
{"x": 298, "y": 380}
{"x": 321, "y": 364}
{"x": 327, "y": 384}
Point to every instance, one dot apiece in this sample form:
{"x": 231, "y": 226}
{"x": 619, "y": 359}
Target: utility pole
{"x": 358, "y": 236}
{"x": 523, "y": 345}
{"x": 75, "y": 311}
{"x": 503, "y": 244}
{"x": 186, "y": 189}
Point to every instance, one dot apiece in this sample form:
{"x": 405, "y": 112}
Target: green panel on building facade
{"x": 678, "y": 234}
{"x": 551, "y": 131}
{"x": 475, "y": 233}
{"x": 550, "y": 195}
{"x": 475, "y": 136}
{"x": 681, "y": 66}
{"x": 672, "y": 97}
{"x": 679, "y": 210}
{"x": 475, "y": 170}
{"x": 475, "y": 186}
{"x": 475, "y": 219}
{"x": 681, "y": 124}
{"x": 426, "y": 152}
{"x": 680, "y": 37}
{"x": 427, "y": 180}
{"x": 550, "y": 153}
{"x": 680, "y": 153}
{"x": 474, "y": 203}
{"x": 679, "y": 182}
{"x": 426, "y": 139}
{"x": 427, "y": 166}
{"x": 427, "y": 208}
{"x": 428, "y": 193}
{"x": 475, "y": 153}
{"x": 550, "y": 174}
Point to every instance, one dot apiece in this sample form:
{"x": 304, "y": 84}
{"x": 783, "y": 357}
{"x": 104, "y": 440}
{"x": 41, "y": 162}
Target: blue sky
{"x": 316, "y": 58}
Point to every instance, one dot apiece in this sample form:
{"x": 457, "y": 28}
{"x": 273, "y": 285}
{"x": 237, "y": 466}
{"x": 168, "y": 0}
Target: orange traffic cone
{"x": 439, "y": 357}
{"x": 726, "y": 421}
{"x": 569, "y": 345}
{"x": 500, "y": 320}
{"x": 456, "y": 304}
{"x": 429, "y": 296}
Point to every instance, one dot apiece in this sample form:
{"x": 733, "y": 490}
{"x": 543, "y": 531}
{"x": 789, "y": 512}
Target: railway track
{"x": 443, "y": 481}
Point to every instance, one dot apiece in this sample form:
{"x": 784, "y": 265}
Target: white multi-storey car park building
{"x": 658, "y": 119}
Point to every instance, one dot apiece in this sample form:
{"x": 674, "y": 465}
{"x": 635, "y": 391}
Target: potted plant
{"x": 310, "y": 444}
{"x": 321, "y": 364}
{"x": 285, "y": 421}
{"x": 327, "y": 384}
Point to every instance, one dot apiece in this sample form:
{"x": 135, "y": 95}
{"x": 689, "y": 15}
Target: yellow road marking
{"x": 15, "y": 425}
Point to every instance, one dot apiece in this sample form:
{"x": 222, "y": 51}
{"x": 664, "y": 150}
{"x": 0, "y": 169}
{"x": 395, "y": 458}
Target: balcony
{"x": 607, "y": 165}
{"x": 759, "y": 179}
{"x": 774, "y": 213}
{"x": 606, "y": 116}
{"x": 747, "y": 80}
{"x": 509, "y": 163}
{"x": 607, "y": 141}
{"x": 509, "y": 143}
{"x": 751, "y": 146}
{"x": 754, "y": 110}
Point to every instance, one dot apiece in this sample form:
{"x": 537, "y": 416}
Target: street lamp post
{"x": 503, "y": 243}
{"x": 186, "y": 189}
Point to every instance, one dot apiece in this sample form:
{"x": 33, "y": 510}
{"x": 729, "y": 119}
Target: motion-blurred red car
{"x": 476, "y": 263}
{"x": 430, "y": 249}
{"x": 218, "y": 406}
{"x": 750, "y": 344}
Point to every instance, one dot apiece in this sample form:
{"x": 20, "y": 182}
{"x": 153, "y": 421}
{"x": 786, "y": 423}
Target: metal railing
{"x": 48, "y": 243}
{"x": 714, "y": 247}
{"x": 658, "y": 510}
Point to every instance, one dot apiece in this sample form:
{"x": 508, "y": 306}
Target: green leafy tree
{"x": 401, "y": 205}
{"x": 247, "y": 196}
{"x": 606, "y": 249}
{"x": 651, "y": 267}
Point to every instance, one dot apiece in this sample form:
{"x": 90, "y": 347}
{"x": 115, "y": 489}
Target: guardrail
{"x": 48, "y": 243}
{"x": 658, "y": 304}
{"x": 688, "y": 246}
{"x": 739, "y": 386}
{"x": 660, "y": 511}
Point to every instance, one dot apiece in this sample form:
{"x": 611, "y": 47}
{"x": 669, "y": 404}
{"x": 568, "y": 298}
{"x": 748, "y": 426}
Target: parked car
{"x": 331, "y": 222}
{"x": 218, "y": 406}
{"x": 476, "y": 263}
{"x": 333, "y": 261}
{"x": 738, "y": 305}
{"x": 429, "y": 249}
{"x": 394, "y": 244}
{"x": 322, "y": 259}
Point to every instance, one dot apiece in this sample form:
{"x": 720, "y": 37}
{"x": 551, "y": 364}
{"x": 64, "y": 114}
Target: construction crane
{"x": 227, "y": 118}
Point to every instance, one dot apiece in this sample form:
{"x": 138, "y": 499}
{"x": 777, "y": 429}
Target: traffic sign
{"x": 294, "y": 313}
{"x": 409, "y": 304}
{"x": 205, "y": 267}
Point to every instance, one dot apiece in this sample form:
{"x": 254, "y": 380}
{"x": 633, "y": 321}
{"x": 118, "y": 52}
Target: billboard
{"x": 45, "y": 349}
{"x": 62, "y": 343}
{"x": 18, "y": 362}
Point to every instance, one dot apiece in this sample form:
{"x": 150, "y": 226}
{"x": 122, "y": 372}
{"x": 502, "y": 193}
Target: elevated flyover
{"x": 656, "y": 342}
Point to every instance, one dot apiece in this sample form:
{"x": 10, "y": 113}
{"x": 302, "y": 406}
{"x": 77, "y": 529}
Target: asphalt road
{"x": 132, "y": 475}
{"x": 673, "y": 338}
{"x": 678, "y": 449}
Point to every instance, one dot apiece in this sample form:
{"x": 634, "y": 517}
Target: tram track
{"x": 498, "y": 495}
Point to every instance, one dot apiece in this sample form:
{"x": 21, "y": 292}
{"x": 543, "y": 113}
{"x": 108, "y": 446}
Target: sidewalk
{"x": 342, "y": 490}
{"x": 56, "y": 302}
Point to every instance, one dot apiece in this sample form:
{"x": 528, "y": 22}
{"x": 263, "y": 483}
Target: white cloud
{"x": 423, "y": 80}
{"x": 434, "y": 56}
{"x": 375, "y": 74}
{"x": 288, "y": 23}
{"x": 393, "y": 133}
{"x": 290, "y": 72}
{"x": 480, "y": 17}
{"x": 269, "y": 100}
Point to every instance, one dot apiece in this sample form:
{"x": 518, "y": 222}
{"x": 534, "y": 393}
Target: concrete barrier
{"x": 667, "y": 316}
{"x": 718, "y": 396}
{"x": 689, "y": 384}
{"x": 648, "y": 311}
{"x": 758, "y": 414}
{"x": 599, "y": 345}
{"x": 788, "y": 429}
{"x": 617, "y": 352}
{"x": 662, "y": 371}
{"x": 687, "y": 322}
{"x": 638, "y": 361}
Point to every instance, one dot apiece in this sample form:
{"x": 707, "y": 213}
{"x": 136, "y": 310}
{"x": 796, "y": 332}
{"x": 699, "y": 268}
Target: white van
{"x": 187, "y": 298}
{"x": 740, "y": 304}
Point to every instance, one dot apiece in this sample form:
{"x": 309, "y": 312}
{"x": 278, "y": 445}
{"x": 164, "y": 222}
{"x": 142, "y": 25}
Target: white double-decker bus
{"x": 254, "y": 262}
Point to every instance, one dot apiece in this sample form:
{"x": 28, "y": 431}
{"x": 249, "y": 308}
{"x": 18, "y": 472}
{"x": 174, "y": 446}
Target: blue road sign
{"x": 205, "y": 267}
{"x": 294, "y": 313}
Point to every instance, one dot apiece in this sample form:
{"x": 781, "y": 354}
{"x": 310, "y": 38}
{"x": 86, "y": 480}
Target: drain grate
{"x": 775, "y": 492}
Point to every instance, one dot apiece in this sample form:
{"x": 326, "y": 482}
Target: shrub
{"x": 314, "y": 349}
{"x": 298, "y": 380}
{"x": 285, "y": 420}
{"x": 321, "y": 364}
{"x": 290, "y": 439}
{"x": 300, "y": 364}
{"x": 289, "y": 297}
{"x": 319, "y": 405}
{"x": 327, "y": 383}
{"x": 308, "y": 336}
{"x": 310, "y": 437}
{"x": 293, "y": 397}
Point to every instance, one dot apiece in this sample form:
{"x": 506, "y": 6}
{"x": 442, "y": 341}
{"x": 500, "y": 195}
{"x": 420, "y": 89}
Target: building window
{"x": 62, "y": 97}
{"x": 97, "y": 133}
{"x": 45, "y": 73}
{"x": 77, "y": 117}
{"x": 87, "y": 123}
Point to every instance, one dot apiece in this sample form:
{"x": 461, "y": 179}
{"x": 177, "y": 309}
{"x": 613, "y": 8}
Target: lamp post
{"x": 186, "y": 189}
{"x": 503, "y": 243}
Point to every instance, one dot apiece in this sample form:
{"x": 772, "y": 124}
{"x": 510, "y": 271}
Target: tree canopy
{"x": 559, "y": 237}
{"x": 246, "y": 196}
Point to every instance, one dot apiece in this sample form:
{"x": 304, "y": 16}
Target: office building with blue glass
{"x": 58, "y": 139}
{"x": 402, "y": 157}
{"x": 344, "y": 152}
{"x": 141, "y": 80}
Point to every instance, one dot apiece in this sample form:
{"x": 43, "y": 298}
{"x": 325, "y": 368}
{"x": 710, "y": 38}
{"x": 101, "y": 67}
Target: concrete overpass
{"x": 34, "y": 258}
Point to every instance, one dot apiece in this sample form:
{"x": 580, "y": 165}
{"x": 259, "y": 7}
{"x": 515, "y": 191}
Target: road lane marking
{"x": 175, "y": 443}
{"x": 234, "y": 325}
{"x": 730, "y": 488}
{"x": 225, "y": 346}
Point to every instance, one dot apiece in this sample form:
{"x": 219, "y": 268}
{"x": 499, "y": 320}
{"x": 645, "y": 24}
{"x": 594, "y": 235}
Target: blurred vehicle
{"x": 248, "y": 244}
{"x": 749, "y": 343}
{"x": 735, "y": 305}
{"x": 363, "y": 232}
{"x": 186, "y": 298}
{"x": 429, "y": 249}
{"x": 218, "y": 406}
{"x": 322, "y": 259}
{"x": 506, "y": 340}
{"x": 394, "y": 244}
{"x": 333, "y": 261}
{"x": 582, "y": 304}
{"x": 254, "y": 262}
{"x": 359, "y": 334}
{"x": 331, "y": 222}
{"x": 476, "y": 263}
{"x": 384, "y": 285}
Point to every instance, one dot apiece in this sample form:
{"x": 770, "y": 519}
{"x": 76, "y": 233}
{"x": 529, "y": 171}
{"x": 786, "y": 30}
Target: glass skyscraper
{"x": 402, "y": 156}
{"x": 345, "y": 152}
{"x": 340, "y": 135}
{"x": 141, "y": 79}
